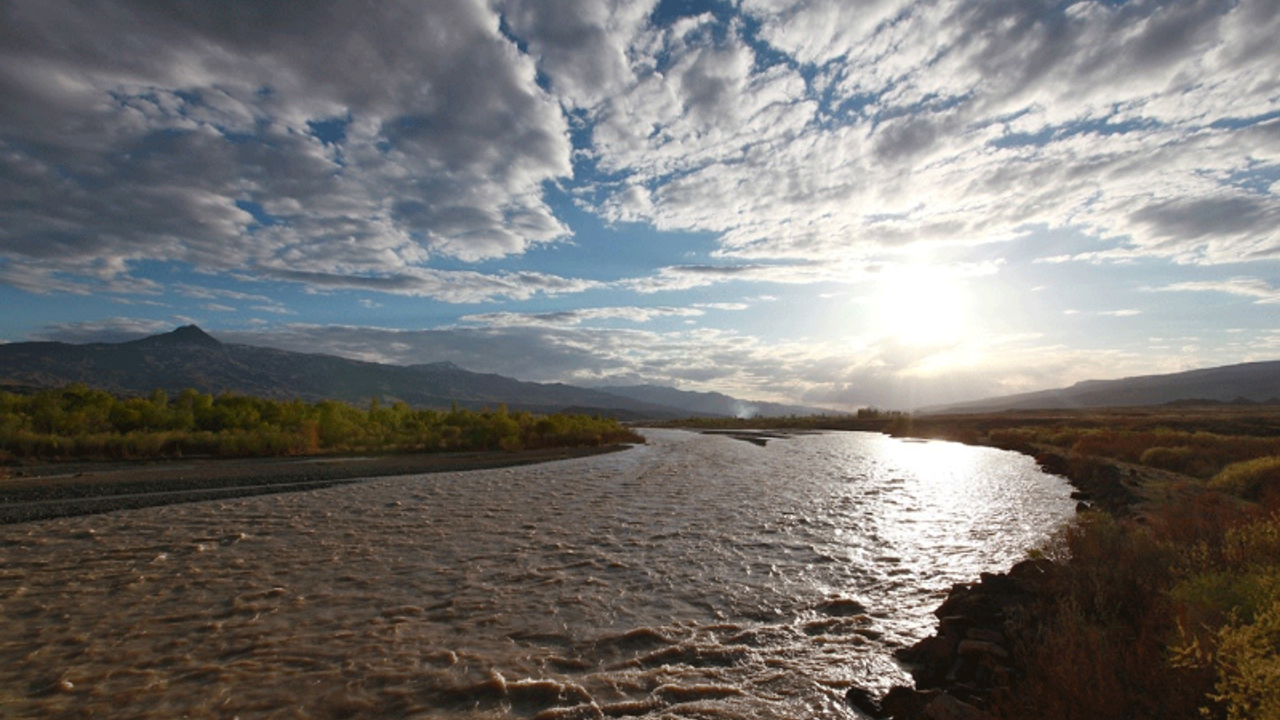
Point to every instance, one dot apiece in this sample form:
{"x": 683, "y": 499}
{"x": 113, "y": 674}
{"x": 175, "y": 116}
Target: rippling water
{"x": 696, "y": 577}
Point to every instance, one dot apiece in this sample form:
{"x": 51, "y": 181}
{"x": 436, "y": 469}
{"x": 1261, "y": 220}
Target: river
{"x": 698, "y": 576}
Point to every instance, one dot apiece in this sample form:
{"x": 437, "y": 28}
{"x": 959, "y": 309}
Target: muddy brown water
{"x": 695, "y": 577}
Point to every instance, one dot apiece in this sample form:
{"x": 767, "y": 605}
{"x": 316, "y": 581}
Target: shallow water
{"x": 695, "y": 577}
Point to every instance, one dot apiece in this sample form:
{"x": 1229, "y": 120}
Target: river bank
{"x": 974, "y": 654}
{"x": 1155, "y": 603}
{"x": 47, "y": 490}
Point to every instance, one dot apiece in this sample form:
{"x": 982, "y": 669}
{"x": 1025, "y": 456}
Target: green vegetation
{"x": 79, "y": 423}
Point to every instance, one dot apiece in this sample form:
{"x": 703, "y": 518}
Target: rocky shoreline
{"x": 974, "y": 654}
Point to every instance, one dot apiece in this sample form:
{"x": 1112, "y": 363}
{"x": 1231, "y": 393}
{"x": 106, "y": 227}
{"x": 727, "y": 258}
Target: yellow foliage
{"x": 1249, "y": 479}
{"x": 1249, "y": 667}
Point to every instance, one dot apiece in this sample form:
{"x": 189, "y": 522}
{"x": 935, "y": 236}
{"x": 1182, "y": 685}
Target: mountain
{"x": 708, "y": 403}
{"x": 1247, "y": 383}
{"x": 191, "y": 358}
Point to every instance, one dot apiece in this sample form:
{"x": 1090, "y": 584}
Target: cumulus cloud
{"x": 330, "y": 138}
{"x": 900, "y": 124}
{"x": 582, "y": 45}
{"x": 418, "y": 149}
{"x": 341, "y": 141}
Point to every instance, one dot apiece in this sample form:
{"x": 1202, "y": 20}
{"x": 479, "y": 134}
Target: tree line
{"x": 77, "y": 422}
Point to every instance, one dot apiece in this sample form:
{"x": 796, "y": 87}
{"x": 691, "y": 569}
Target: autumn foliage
{"x": 79, "y": 423}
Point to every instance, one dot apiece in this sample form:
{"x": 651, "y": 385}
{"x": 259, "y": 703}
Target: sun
{"x": 925, "y": 306}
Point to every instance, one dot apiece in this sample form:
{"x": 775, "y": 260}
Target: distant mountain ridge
{"x": 1245, "y": 383}
{"x": 189, "y": 357}
{"x": 709, "y": 403}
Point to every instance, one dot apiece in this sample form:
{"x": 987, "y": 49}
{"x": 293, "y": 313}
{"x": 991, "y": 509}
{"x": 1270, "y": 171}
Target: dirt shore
{"x": 36, "y": 492}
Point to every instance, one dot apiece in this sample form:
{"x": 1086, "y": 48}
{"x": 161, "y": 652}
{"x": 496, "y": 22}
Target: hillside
{"x": 190, "y": 357}
{"x": 708, "y": 403}
{"x": 1257, "y": 382}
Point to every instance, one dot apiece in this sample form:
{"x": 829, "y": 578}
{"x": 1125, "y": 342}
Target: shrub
{"x": 1249, "y": 667}
{"x": 1212, "y": 451}
{"x": 1251, "y": 479}
{"x": 1181, "y": 459}
{"x": 1012, "y": 438}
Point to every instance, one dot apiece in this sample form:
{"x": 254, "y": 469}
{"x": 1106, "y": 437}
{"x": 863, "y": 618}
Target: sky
{"x": 883, "y": 203}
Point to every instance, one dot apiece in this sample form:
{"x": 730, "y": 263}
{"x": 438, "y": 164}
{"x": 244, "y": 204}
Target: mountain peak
{"x": 442, "y": 366}
{"x": 185, "y": 335}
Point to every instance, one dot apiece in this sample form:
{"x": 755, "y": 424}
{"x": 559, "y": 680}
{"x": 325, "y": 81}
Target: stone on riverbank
{"x": 957, "y": 669}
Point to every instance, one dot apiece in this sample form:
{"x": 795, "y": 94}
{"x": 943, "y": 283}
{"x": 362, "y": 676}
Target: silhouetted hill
{"x": 190, "y": 358}
{"x": 1257, "y": 382}
{"x": 183, "y": 336}
{"x": 708, "y": 403}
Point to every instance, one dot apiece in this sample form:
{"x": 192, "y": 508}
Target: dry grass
{"x": 1160, "y": 618}
{"x": 1174, "y": 612}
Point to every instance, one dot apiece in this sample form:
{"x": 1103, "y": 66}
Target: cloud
{"x": 1264, "y": 293}
{"x": 207, "y": 293}
{"x": 333, "y": 139}
{"x": 274, "y": 309}
{"x": 684, "y": 277}
{"x": 833, "y": 374}
{"x": 902, "y": 124}
{"x": 579, "y": 316}
{"x": 417, "y": 149}
{"x": 841, "y": 373}
{"x": 109, "y": 330}
{"x": 89, "y": 278}
{"x": 364, "y": 143}
{"x": 454, "y": 286}
{"x": 581, "y": 45}
{"x": 708, "y": 359}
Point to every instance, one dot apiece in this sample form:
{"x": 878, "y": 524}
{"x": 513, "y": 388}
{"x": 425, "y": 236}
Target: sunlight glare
{"x": 922, "y": 306}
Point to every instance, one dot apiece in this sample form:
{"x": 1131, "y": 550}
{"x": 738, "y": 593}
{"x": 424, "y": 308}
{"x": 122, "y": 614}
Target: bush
{"x": 1100, "y": 652}
{"x": 1252, "y": 479}
{"x": 1249, "y": 667}
{"x": 1180, "y": 459}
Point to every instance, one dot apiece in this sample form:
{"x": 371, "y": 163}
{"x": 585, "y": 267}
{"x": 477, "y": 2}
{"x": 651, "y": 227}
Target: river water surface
{"x": 698, "y": 576}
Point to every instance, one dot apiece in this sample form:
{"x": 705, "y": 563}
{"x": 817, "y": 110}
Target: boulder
{"x": 904, "y": 703}
{"x": 862, "y": 700}
{"x": 945, "y": 707}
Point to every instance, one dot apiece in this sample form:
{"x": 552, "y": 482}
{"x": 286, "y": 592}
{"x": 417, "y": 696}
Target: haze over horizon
{"x": 895, "y": 203}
